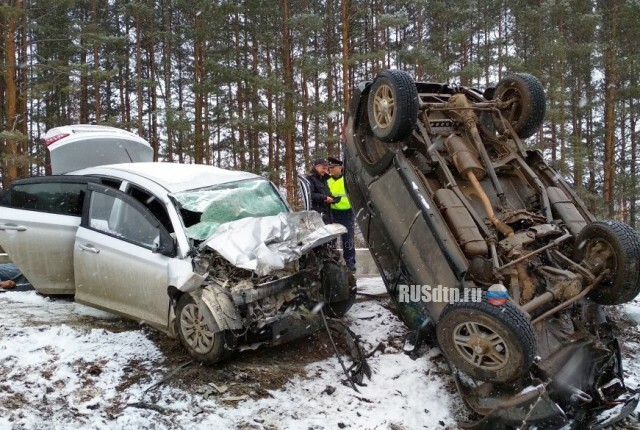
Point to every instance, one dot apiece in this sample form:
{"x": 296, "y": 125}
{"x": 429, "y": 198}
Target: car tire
{"x": 616, "y": 246}
{"x": 392, "y": 105}
{"x": 376, "y": 156}
{"x": 377, "y": 146}
{"x": 339, "y": 309}
{"x": 199, "y": 333}
{"x": 488, "y": 342}
{"x": 527, "y": 104}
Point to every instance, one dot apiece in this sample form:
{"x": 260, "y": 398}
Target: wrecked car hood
{"x": 268, "y": 243}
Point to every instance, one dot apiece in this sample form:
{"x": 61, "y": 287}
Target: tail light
{"x": 54, "y": 139}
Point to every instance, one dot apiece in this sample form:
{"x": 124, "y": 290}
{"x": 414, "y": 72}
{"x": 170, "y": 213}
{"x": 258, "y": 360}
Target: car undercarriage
{"x": 446, "y": 193}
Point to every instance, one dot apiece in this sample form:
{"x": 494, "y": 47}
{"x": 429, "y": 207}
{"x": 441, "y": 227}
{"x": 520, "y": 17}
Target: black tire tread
{"x": 406, "y": 99}
{"x": 627, "y": 280}
{"x": 537, "y": 103}
{"x": 339, "y": 309}
{"x": 511, "y": 316}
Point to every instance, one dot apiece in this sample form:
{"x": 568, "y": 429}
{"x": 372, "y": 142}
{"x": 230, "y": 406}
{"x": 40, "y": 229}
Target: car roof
{"x": 174, "y": 177}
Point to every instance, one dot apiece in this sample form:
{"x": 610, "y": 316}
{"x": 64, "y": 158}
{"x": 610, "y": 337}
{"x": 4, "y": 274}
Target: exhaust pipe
{"x": 468, "y": 165}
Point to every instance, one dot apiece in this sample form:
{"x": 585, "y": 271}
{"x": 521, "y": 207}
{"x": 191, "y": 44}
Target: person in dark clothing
{"x": 320, "y": 196}
{"x": 341, "y": 212}
{"x": 11, "y": 277}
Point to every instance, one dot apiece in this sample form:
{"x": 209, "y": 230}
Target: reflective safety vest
{"x": 336, "y": 186}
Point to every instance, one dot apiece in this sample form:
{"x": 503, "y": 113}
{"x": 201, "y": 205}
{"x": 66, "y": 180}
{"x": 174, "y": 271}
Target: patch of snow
{"x": 632, "y": 312}
{"x": 60, "y": 371}
{"x": 65, "y": 365}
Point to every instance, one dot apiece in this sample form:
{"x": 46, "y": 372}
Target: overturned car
{"x": 211, "y": 256}
{"x": 446, "y": 194}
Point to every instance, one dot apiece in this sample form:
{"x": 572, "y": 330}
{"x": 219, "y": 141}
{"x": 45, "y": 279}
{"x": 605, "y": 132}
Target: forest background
{"x": 263, "y": 85}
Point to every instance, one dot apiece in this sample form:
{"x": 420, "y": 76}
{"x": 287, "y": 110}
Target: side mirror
{"x": 167, "y": 244}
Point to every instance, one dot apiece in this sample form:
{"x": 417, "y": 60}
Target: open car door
{"x": 38, "y": 226}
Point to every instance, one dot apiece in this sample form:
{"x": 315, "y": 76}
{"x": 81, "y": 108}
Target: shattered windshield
{"x": 205, "y": 209}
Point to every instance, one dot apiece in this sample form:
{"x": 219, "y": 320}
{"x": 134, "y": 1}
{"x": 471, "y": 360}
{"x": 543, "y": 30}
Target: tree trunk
{"x": 23, "y": 116}
{"x": 153, "y": 101}
{"x": 633, "y": 170}
{"x": 290, "y": 156}
{"x": 96, "y": 65}
{"x": 127, "y": 82}
{"x": 240, "y": 149}
{"x": 180, "y": 107}
{"x": 139, "y": 73}
{"x": 197, "y": 90}
{"x": 610, "y": 82}
{"x": 622, "y": 195}
{"x": 316, "y": 101}
{"x": 206, "y": 135}
{"x": 270, "y": 125}
{"x": 166, "y": 52}
{"x": 255, "y": 106}
{"x": 345, "y": 53}
{"x": 84, "y": 83}
{"x": 330, "y": 49}
{"x": 11, "y": 154}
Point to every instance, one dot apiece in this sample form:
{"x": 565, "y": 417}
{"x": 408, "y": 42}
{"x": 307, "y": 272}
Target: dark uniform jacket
{"x": 319, "y": 191}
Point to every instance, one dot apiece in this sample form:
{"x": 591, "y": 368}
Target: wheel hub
{"x": 600, "y": 255}
{"x": 481, "y": 346}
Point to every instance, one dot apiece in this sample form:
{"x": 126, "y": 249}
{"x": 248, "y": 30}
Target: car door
{"x": 305, "y": 192}
{"x": 38, "y": 225}
{"x": 117, "y": 261}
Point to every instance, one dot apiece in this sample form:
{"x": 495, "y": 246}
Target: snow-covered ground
{"x": 64, "y": 365}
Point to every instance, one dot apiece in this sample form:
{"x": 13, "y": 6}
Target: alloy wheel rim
{"x": 384, "y": 106}
{"x": 480, "y": 346}
{"x": 195, "y": 330}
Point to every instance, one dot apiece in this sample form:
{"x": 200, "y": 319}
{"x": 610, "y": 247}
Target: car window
{"x": 111, "y": 182}
{"x": 64, "y": 198}
{"x": 155, "y": 206}
{"x": 118, "y": 218}
{"x": 4, "y": 198}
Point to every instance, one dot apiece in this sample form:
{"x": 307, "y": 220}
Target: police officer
{"x": 341, "y": 210}
{"x": 320, "y": 195}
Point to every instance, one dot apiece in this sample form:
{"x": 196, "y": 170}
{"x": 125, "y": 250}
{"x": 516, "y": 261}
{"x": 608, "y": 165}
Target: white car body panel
{"x": 42, "y": 244}
{"x": 121, "y": 277}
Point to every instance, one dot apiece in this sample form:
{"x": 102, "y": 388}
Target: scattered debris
{"x": 329, "y": 389}
{"x": 235, "y": 398}
{"x": 221, "y": 390}
{"x": 169, "y": 375}
{"x": 150, "y": 406}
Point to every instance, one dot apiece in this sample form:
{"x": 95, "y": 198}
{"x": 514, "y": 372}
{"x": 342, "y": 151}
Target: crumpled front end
{"x": 269, "y": 243}
{"x": 263, "y": 278}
